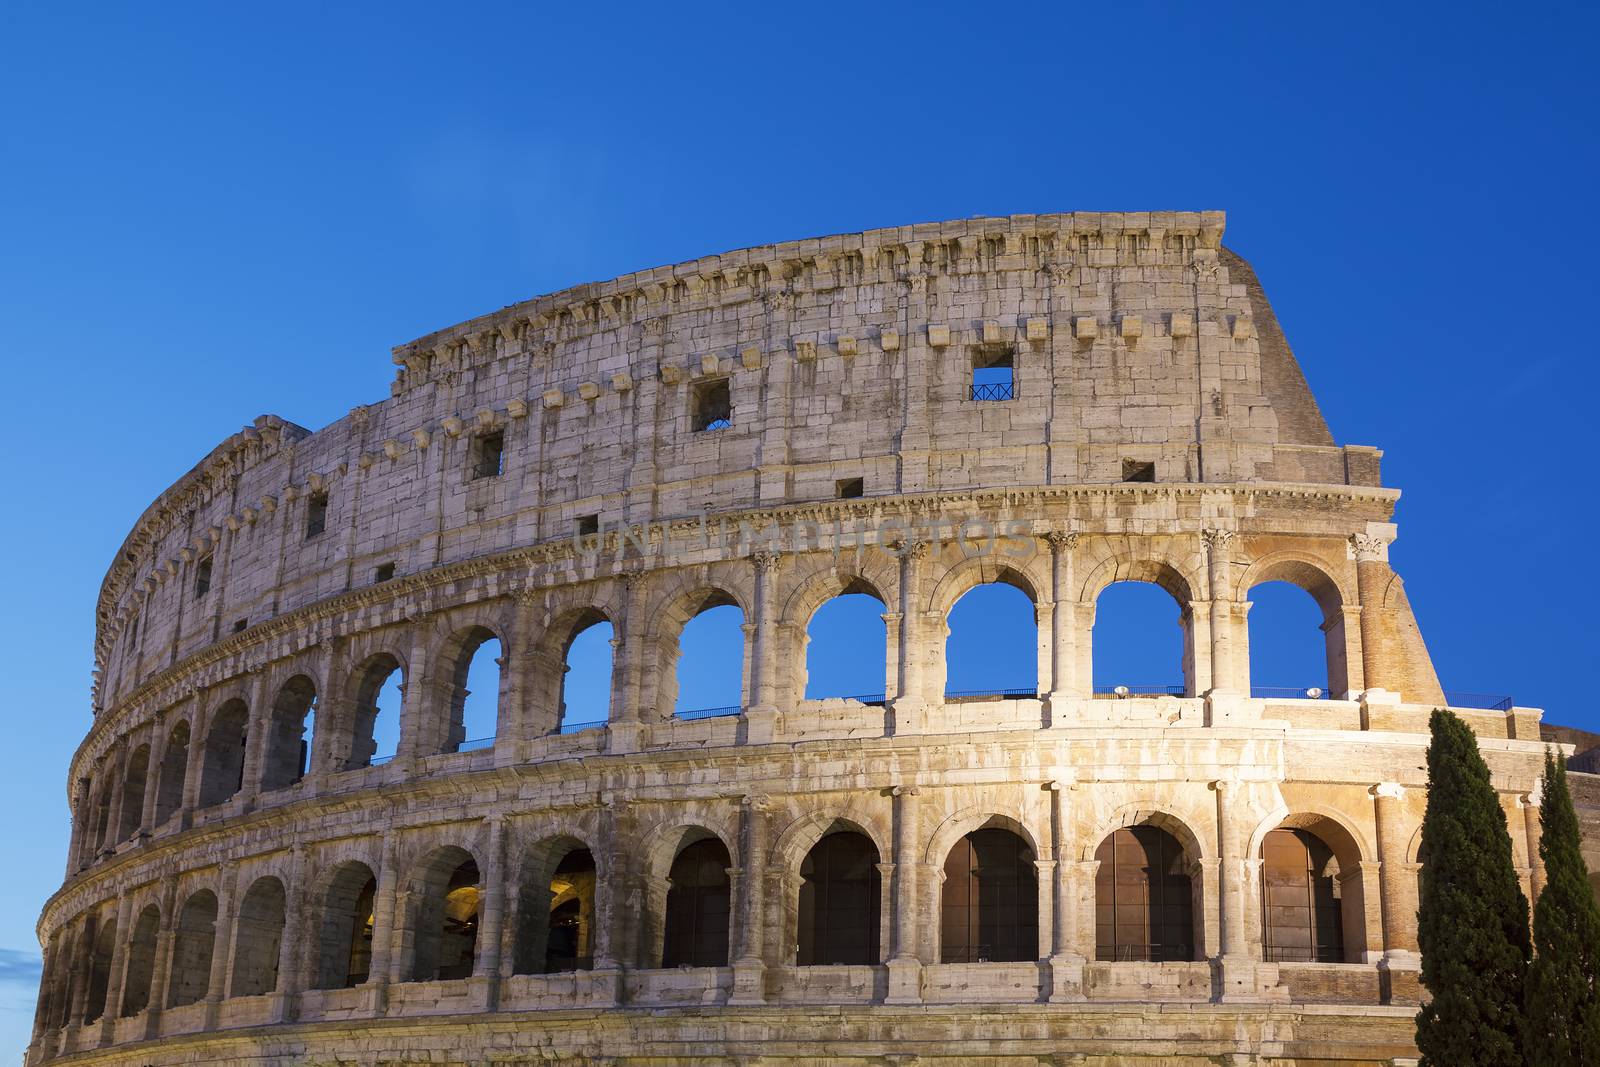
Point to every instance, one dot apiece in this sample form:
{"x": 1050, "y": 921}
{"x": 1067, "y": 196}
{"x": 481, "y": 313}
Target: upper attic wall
{"x": 1135, "y": 339}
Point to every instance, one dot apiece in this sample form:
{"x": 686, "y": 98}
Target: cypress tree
{"x": 1473, "y": 921}
{"x": 1563, "y": 1025}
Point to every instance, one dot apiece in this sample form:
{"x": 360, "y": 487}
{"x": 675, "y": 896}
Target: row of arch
{"x": 577, "y": 680}
{"x": 1146, "y": 892}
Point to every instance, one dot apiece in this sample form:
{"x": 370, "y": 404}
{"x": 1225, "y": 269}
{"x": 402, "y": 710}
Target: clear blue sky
{"x": 211, "y": 213}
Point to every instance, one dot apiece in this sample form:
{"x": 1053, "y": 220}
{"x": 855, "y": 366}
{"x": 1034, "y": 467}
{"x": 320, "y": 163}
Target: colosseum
{"x": 1074, "y": 873}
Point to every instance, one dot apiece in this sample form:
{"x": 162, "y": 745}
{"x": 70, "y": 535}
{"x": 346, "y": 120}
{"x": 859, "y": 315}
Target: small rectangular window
{"x": 848, "y": 488}
{"x": 316, "y": 514}
{"x": 713, "y": 406}
{"x": 202, "y": 577}
{"x": 240, "y": 624}
{"x": 588, "y": 525}
{"x": 993, "y": 374}
{"x": 488, "y": 455}
{"x": 384, "y": 572}
{"x": 1134, "y": 470}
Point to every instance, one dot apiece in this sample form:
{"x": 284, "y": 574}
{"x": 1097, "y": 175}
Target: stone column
{"x": 118, "y": 975}
{"x": 762, "y": 717}
{"x": 749, "y": 966}
{"x": 905, "y": 968}
{"x": 78, "y": 987}
{"x": 380, "y": 969}
{"x": 1372, "y": 565}
{"x": 627, "y": 709}
{"x": 420, "y": 732}
{"x": 1067, "y": 957}
{"x": 1231, "y": 881}
{"x": 195, "y": 764}
{"x": 295, "y": 942}
{"x": 257, "y": 739}
{"x": 1533, "y": 830}
{"x": 1064, "y": 681}
{"x": 81, "y": 817}
{"x": 1224, "y": 673}
{"x": 492, "y": 919}
{"x": 1399, "y": 922}
{"x": 159, "y": 734}
{"x": 520, "y": 689}
{"x": 224, "y": 946}
{"x": 166, "y": 936}
{"x": 910, "y": 702}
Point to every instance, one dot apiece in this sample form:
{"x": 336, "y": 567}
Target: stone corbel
{"x": 517, "y": 408}
{"x": 1181, "y": 325}
{"x": 709, "y": 364}
{"x": 846, "y": 344}
{"x": 889, "y": 340}
{"x": 553, "y": 399}
{"x": 671, "y": 373}
{"x": 938, "y": 335}
{"x": 588, "y": 391}
{"x": 989, "y": 332}
{"x": 1132, "y": 328}
{"x": 391, "y": 448}
{"x": 451, "y": 425}
{"x": 1037, "y": 328}
{"x": 422, "y": 439}
{"x": 805, "y": 351}
{"x": 622, "y": 381}
{"x": 1086, "y": 327}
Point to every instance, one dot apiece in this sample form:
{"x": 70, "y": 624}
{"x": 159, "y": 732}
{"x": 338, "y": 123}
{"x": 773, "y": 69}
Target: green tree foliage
{"x": 1473, "y": 922}
{"x": 1563, "y": 1025}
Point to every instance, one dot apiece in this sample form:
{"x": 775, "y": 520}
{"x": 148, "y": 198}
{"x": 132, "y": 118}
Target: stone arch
{"x": 366, "y": 682}
{"x": 1350, "y": 844}
{"x": 806, "y": 829}
{"x": 193, "y": 944}
{"x": 557, "y": 856}
{"x": 800, "y": 608}
{"x": 222, "y": 767}
{"x": 100, "y": 832}
{"x": 988, "y": 895}
{"x": 101, "y": 952}
{"x": 839, "y": 903}
{"x": 172, "y": 774}
{"x": 1149, "y": 568}
{"x": 550, "y": 664}
{"x": 291, "y": 733}
{"x": 658, "y": 851}
{"x": 135, "y": 780}
{"x": 674, "y": 610}
{"x": 443, "y": 909}
{"x": 977, "y": 817}
{"x": 447, "y": 691}
{"x": 1196, "y": 845}
{"x": 342, "y": 934}
{"x": 962, "y": 578}
{"x": 1320, "y": 581}
{"x": 258, "y": 938}
{"x": 141, "y": 960}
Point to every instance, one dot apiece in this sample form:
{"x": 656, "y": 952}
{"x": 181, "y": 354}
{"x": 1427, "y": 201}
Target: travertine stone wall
{"x": 192, "y": 925}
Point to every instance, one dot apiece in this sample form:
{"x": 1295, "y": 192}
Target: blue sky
{"x": 212, "y": 212}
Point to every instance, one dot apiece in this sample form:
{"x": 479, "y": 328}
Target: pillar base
{"x": 376, "y": 999}
{"x": 749, "y": 981}
{"x": 1228, "y": 706}
{"x": 603, "y": 986}
{"x": 1067, "y": 975}
{"x": 905, "y": 715}
{"x": 1063, "y": 709}
{"x": 1240, "y": 979}
{"x": 625, "y": 736}
{"x": 1400, "y": 977}
{"x": 905, "y": 981}
{"x": 761, "y": 725}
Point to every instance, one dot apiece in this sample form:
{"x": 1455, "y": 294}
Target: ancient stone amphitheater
{"x": 1057, "y": 875}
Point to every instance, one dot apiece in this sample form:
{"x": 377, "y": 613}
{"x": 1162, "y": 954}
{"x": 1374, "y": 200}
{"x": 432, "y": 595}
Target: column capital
{"x": 1062, "y": 540}
{"x": 765, "y": 561}
{"x": 903, "y": 791}
{"x": 1369, "y": 548}
{"x": 1217, "y": 540}
{"x": 1388, "y": 790}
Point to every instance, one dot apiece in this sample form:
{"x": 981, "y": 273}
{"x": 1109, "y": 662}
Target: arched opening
{"x": 1296, "y": 643}
{"x": 556, "y": 909}
{"x": 475, "y": 707}
{"x": 710, "y": 673}
{"x": 989, "y": 903}
{"x": 258, "y": 939}
{"x": 445, "y": 926}
{"x": 846, "y": 639}
{"x": 222, "y": 772}
{"x": 375, "y": 733}
{"x": 698, "y": 902}
{"x": 174, "y": 768}
{"x": 586, "y": 669}
{"x": 105, "y": 944}
{"x": 59, "y": 981}
{"x": 290, "y": 734}
{"x": 1301, "y": 909}
{"x": 49, "y": 998}
{"x": 993, "y": 643}
{"x": 141, "y": 961}
{"x": 1135, "y": 644}
{"x": 100, "y": 837}
{"x": 840, "y": 891}
{"x": 193, "y": 942}
{"x": 134, "y": 778}
{"x": 344, "y": 927}
{"x": 1143, "y": 897}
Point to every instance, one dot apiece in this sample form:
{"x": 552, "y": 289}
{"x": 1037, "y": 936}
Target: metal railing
{"x": 578, "y": 727}
{"x": 1279, "y": 692}
{"x": 995, "y": 391}
{"x": 707, "y": 713}
{"x": 1486, "y": 701}
{"x": 999, "y": 693}
{"x": 475, "y": 744}
{"x": 1139, "y": 690}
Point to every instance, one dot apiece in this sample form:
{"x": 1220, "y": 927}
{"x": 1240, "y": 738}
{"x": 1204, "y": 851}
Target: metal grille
{"x": 997, "y": 391}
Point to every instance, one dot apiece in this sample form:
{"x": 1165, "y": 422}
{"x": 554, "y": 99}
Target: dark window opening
{"x": 839, "y": 902}
{"x": 240, "y": 624}
{"x": 850, "y": 488}
{"x": 1301, "y": 913}
{"x": 133, "y": 632}
{"x": 588, "y": 525}
{"x": 1143, "y": 899}
{"x": 488, "y": 455}
{"x": 990, "y": 900}
{"x": 202, "y": 577}
{"x": 994, "y": 375}
{"x": 383, "y": 573}
{"x": 713, "y": 406}
{"x": 316, "y": 514}
{"x": 1134, "y": 470}
{"x": 697, "y": 907}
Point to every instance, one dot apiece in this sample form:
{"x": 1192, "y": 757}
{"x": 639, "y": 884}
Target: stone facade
{"x": 1158, "y": 429}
